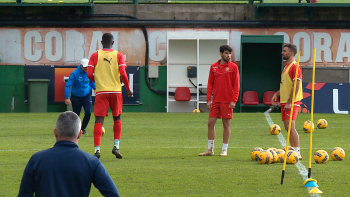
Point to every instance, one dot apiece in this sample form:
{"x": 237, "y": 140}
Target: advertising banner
{"x": 67, "y": 46}
{"x": 328, "y": 98}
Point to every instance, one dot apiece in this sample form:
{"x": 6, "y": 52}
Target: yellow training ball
{"x": 196, "y": 111}
{"x": 322, "y": 123}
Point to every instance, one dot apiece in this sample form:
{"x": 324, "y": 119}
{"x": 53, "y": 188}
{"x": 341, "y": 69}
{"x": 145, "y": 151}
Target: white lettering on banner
{"x": 131, "y": 81}
{"x": 74, "y": 46}
{"x": 10, "y": 46}
{"x": 53, "y": 52}
{"x": 326, "y": 47}
{"x": 305, "y": 51}
{"x": 30, "y": 40}
{"x": 155, "y": 39}
{"x": 95, "y": 42}
{"x": 343, "y": 47}
{"x": 235, "y": 42}
{"x": 286, "y": 38}
{"x": 336, "y": 103}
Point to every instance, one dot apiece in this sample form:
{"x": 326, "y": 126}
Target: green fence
{"x": 12, "y": 98}
{"x": 171, "y": 1}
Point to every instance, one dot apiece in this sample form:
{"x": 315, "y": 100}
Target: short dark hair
{"x": 225, "y": 48}
{"x": 107, "y": 38}
{"x": 291, "y": 48}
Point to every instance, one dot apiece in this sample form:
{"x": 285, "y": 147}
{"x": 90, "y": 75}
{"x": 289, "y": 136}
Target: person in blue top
{"x": 80, "y": 92}
{"x": 64, "y": 169}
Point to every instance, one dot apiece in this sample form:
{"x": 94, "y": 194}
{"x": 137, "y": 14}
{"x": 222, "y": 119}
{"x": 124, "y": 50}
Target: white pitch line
{"x": 22, "y": 150}
{"x": 302, "y": 170}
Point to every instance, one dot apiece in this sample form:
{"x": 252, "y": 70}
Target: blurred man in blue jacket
{"x": 80, "y": 93}
{"x": 64, "y": 170}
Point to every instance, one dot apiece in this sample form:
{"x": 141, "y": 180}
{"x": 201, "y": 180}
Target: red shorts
{"x": 221, "y": 110}
{"x": 104, "y": 101}
{"x": 286, "y": 114}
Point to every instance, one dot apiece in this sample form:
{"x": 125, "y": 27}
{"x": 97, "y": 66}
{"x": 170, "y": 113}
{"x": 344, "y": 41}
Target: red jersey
{"x": 93, "y": 63}
{"x": 225, "y": 81}
{"x": 293, "y": 70}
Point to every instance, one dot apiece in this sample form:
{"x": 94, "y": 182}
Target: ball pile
{"x": 273, "y": 155}
{"x": 255, "y": 153}
{"x": 265, "y": 157}
{"x": 280, "y": 154}
{"x": 292, "y": 157}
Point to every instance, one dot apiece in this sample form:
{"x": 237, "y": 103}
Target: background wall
{"x": 320, "y": 27}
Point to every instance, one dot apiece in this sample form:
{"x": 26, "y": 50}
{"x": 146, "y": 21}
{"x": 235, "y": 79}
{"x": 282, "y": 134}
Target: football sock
{"x": 97, "y": 148}
{"x": 297, "y": 149}
{"x": 97, "y": 134}
{"x": 117, "y": 128}
{"x": 116, "y": 143}
{"x": 224, "y": 146}
{"x": 210, "y": 144}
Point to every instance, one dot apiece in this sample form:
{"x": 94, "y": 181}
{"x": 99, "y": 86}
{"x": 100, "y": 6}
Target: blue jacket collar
{"x": 66, "y": 143}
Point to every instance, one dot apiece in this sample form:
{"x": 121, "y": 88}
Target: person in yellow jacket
{"x": 286, "y": 93}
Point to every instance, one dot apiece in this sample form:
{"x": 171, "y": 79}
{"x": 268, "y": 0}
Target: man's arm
{"x": 69, "y": 83}
{"x": 123, "y": 74}
{"x": 274, "y": 97}
{"x": 92, "y": 64}
{"x": 210, "y": 87}
{"x": 92, "y": 85}
{"x": 103, "y": 182}
{"x": 236, "y": 85}
{"x": 27, "y": 184}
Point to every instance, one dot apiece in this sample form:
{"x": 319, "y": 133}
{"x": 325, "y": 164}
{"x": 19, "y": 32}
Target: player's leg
{"x": 226, "y": 136}
{"x": 293, "y": 136}
{"x": 213, "y": 116}
{"x": 211, "y": 137}
{"x": 100, "y": 111}
{"x": 226, "y": 114}
{"x": 87, "y": 109}
{"x": 116, "y": 107}
{"x": 76, "y": 104}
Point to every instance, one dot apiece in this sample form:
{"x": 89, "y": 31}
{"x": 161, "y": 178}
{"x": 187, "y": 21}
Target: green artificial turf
{"x": 160, "y": 154}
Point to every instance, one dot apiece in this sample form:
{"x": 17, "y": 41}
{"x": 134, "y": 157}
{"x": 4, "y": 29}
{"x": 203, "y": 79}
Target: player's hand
{"x": 130, "y": 93}
{"x": 209, "y": 105}
{"x": 67, "y": 101}
{"x": 287, "y": 107}
{"x": 232, "y": 105}
{"x": 273, "y": 99}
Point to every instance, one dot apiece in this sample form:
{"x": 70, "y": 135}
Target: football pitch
{"x": 160, "y": 154}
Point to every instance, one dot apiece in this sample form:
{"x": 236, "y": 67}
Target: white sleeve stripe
{"x": 297, "y": 79}
{"x": 122, "y": 65}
